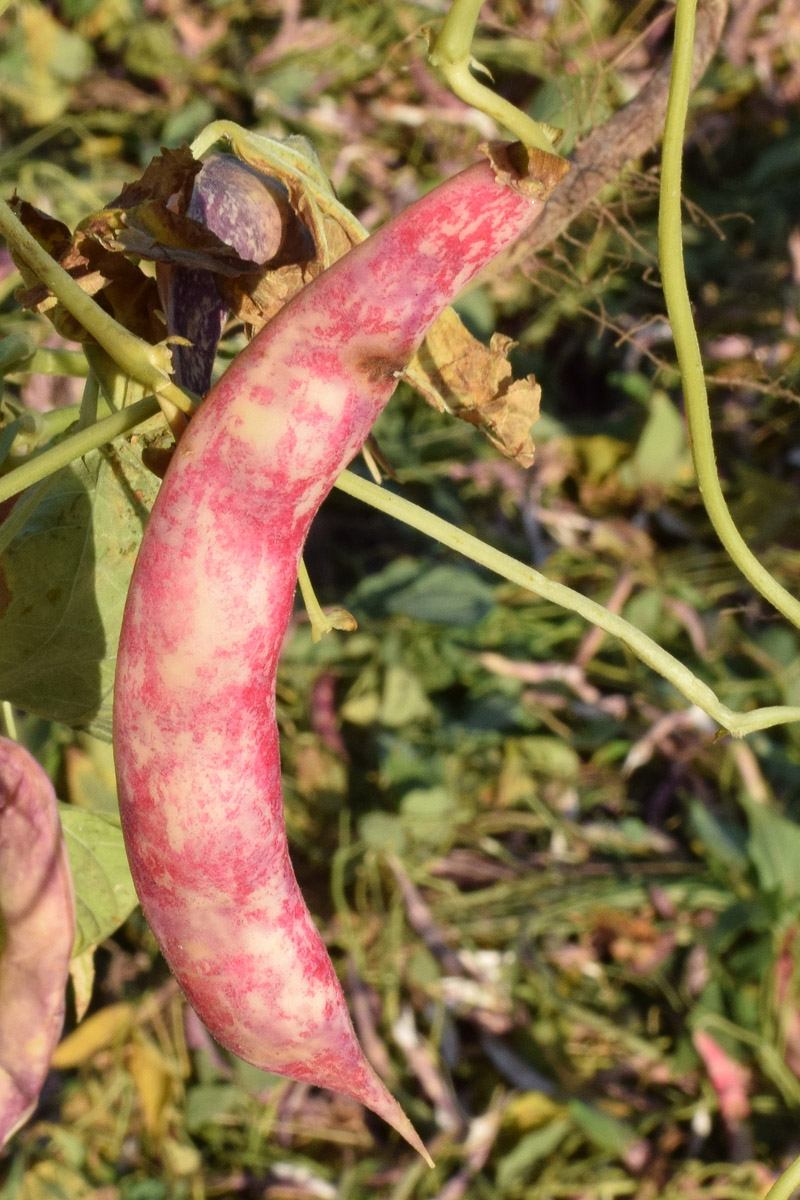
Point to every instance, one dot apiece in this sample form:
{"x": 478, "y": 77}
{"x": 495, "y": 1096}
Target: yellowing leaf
{"x": 154, "y": 1079}
{"x": 42, "y": 62}
{"x": 52, "y": 1180}
{"x": 531, "y": 1110}
{"x": 90, "y": 775}
{"x": 180, "y": 1158}
{"x": 81, "y": 971}
{"x": 103, "y": 1029}
{"x": 361, "y": 710}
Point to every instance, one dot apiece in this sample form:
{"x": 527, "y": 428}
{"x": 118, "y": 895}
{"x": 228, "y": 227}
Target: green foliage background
{"x": 541, "y": 877}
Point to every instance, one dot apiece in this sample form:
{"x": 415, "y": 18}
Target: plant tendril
{"x": 679, "y": 309}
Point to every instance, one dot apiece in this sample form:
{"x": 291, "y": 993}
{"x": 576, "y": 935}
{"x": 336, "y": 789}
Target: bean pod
{"x": 195, "y": 738}
{"x": 37, "y": 932}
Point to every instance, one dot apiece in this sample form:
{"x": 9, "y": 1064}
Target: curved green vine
{"x": 75, "y": 445}
{"x": 645, "y": 649}
{"x": 449, "y": 52}
{"x": 679, "y": 310}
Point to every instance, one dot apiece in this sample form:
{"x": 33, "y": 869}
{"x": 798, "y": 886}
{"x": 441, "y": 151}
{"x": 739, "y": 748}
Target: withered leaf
{"x": 152, "y": 231}
{"x": 459, "y": 375}
{"x": 168, "y": 178}
{"x": 116, "y": 282}
{"x": 54, "y": 235}
{"x": 97, "y": 257}
{"x": 255, "y": 299}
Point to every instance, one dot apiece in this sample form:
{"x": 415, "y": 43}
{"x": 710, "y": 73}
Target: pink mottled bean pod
{"x": 37, "y": 932}
{"x": 196, "y": 741}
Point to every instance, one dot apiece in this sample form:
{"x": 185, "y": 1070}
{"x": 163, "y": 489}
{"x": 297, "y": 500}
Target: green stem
{"x": 75, "y": 445}
{"x": 16, "y": 351}
{"x": 679, "y": 309}
{"x": 70, "y": 363}
{"x": 645, "y": 649}
{"x": 37, "y": 428}
{"x": 149, "y": 365}
{"x": 789, "y": 1181}
{"x": 319, "y": 622}
{"x": 89, "y": 399}
{"x": 454, "y": 40}
{"x": 322, "y": 622}
{"x": 450, "y": 54}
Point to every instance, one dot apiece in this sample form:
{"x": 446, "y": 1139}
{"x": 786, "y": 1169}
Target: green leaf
{"x": 75, "y": 10}
{"x": 403, "y": 700}
{"x": 606, "y": 1132}
{"x": 645, "y": 610}
{"x": 721, "y": 840}
{"x": 529, "y": 1150}
{"x": 493, "y": 712}
{"x": 748, "y": 917}
{"x": 444, "y": 595}
{"x": 208, "y": 1101}
{"x": 383, "y": 831}
{"x": 765, "y": 505}
{"x": 63, "y": 583}
{"x": 550, "y": 756}
{"x": 428, "y": 813}
{"x": 407, "y": 763}
{"x": 781, "y": 158}
{"x": 774, "y": 848}
{"x": 151, "y": 50}
{"x": 661, "y": 457}
{"x": 7, "y": 435}
{"x": 371, "y": 596}
{"x": 104, "y": 891}
{"x": 477, "y": 311}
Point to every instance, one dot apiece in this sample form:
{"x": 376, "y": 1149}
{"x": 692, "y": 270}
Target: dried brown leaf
{"x": 168, "y": 178}
{"x": 123, "y": 289}
{"x": 458, "y": 374}
{"x": 152, "y": 231}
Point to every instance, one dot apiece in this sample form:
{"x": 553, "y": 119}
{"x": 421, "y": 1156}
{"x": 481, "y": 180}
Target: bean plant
{"x": 134, "y": 396}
